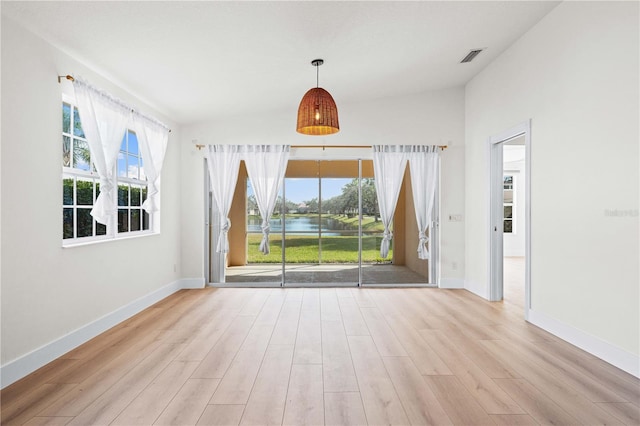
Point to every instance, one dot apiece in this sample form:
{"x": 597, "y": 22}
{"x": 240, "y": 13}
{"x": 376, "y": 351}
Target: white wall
{"x": 49, "y": 291}
{"x": 575, "y": 75}
{"x": 427, "y": 118}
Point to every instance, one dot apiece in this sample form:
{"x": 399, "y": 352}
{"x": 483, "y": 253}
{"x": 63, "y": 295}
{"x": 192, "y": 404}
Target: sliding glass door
{"x": 325, "y": 231}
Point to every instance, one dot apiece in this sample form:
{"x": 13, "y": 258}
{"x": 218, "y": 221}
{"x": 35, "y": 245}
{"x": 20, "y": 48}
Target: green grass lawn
{"x": 304, "y": 249}
{"x": 368, "y": 222}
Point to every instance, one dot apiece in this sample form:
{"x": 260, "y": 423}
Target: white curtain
{"x": 223, "y": 162}
{"x": 389, "y": 164}
{"x": 266, "y": 165}
{"x": 104, "y": 121}
{"x": 153, "y": 137}
{"x": 423, "y": 165}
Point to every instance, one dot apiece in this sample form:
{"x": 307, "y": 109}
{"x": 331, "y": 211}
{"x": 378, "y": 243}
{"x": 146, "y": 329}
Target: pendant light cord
{"x": 317, "y": 76}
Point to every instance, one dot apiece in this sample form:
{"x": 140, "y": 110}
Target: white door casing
{"x": 496, "y": 212}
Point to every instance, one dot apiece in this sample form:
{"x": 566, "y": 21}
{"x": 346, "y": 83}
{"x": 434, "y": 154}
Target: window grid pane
{"x": 67, "y": 191}
{"x": 123, "y": 220}
{"x": 84, "y": 224}
{"x": 67, "y": 223}
{"x": 123, "y": 195}
{"x": 135, "y": 219}
{"x": 84, "y": 191}
{"x": 132, "y": 167}
{"x": 508, "y": 226}
{"x": 77, "y": 127}
{"x": 101, "y": 229}
{"x": 135, "y": 195}
{"x": 66, "y": 151}
{"x": 66, "y": 118}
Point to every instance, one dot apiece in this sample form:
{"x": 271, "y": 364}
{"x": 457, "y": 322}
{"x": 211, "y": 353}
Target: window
{"x": 132, "y": 187}
{"x": 81, "y": 185}
{"x": 508, "y": 190}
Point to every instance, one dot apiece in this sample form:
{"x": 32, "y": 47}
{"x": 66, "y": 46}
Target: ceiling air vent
{"x": 470, "y": 56}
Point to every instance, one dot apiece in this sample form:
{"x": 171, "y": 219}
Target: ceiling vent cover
{"x": 471, "y": 55}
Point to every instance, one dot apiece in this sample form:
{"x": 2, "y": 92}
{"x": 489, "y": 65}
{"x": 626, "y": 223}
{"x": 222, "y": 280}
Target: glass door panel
{"x": 301, "y": 231}
{"x": 402, "y": 265}
{"x": 340, "y": 222}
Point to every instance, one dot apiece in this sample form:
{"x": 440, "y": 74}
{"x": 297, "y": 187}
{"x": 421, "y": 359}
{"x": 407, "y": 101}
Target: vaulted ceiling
{"x": 201, "y": 60}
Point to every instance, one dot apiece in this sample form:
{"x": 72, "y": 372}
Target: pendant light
{"x": 317, "y": 113}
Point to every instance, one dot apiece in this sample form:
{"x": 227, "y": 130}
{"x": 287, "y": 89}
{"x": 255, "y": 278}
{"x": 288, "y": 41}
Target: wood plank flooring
{"x": 325, "y": 356}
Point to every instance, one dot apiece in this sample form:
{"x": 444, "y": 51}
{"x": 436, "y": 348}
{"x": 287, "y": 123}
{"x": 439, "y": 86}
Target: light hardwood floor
{"x": 325, "y": 356}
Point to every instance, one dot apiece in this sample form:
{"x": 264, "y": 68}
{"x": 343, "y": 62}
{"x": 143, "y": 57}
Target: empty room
{"x": 320, "y": 213}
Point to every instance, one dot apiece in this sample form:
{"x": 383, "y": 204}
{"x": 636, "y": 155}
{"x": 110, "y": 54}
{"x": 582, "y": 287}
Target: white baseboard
{"x": 192, "y": 283}
{"x": 476, "y": 288}
{"x": 26, "y": 364}
{"x": 451, "y": 283}
{"x": 595, "y": 346}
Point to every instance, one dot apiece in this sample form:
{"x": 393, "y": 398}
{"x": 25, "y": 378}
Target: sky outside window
{"x": 305, "y": 189}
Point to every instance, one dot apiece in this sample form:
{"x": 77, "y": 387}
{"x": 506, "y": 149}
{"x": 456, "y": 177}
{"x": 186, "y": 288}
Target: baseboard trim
{"x": 476, "y": 288}
{"x": 595, "y": 346}
{"x": 27, "y": 364}
{"x": 192, "y": 283}
{"x": 451, "y": 283}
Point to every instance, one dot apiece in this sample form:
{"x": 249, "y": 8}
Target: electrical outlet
{"x": 454, "y": 266}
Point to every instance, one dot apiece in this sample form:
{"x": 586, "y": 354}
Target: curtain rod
{"x": 442, "y": 147}
{"x": 71, "y": 79}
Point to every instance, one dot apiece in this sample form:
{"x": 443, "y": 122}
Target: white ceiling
{"x": 201, "y": 60}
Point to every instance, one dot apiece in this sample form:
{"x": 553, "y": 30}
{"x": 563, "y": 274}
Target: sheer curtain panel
{"x": 266, "y": 165}
{"x": 104, "y": 121}
{"x": 223, "y": 162}
{"x": 389, "y": 164}
{"x": 153, "y": 137}
{"x": 423, "y": 166}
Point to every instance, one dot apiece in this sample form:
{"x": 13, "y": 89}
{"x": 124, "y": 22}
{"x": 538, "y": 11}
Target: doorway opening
{"x": 514, "y": 220}
{"x": 325, "y": 231}
{"x": 509, "y": 215}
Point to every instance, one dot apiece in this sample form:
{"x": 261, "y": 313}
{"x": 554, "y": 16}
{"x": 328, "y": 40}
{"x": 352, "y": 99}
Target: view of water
{"x": 304, "y": 225}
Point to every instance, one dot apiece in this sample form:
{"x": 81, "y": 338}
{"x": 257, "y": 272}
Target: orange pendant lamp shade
{"x": 317, "y": 113}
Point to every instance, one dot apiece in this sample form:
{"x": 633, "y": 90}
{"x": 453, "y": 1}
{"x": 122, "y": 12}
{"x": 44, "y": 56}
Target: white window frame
{"x": 113, "y": 233}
